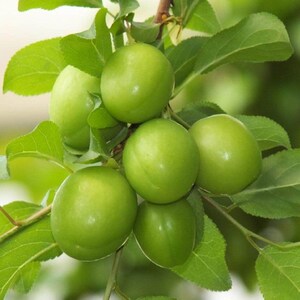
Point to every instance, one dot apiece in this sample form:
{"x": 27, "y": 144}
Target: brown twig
{"x": 162, "y": 14}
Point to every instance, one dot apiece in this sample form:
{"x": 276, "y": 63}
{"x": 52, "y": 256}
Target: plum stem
{"x": 112, "y": 280}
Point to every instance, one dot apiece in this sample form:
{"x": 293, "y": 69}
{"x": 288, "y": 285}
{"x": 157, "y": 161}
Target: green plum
{"x": 136, "y": 83}
{"x": 229, "y": 156}
{"x": 160, "y": 160}
{"x": 71, "y": 104}
{"x": 166, "y": 232}
{"x": 93, "y": 213}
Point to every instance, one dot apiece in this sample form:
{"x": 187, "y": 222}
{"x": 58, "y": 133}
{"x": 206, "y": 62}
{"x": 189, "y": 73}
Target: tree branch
{"x": 162, "y": 14}
{"x": 162, "y": 11}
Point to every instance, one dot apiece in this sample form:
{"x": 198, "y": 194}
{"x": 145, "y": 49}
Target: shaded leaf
{"x": 278, "y": 273}
{"x": 52, "y": 4}
{"x": 127, "y": 6}
{"x": 103, "y": 38}
{"x": 276, "y": 192}
{"x": 199, "y": 110}
{"x": 183, "y": 57}
{"x": 203, "y": 19}
{"x": 144, "y": 32}
{"x": 97, "y": 149}
{"x": 100, "y": 117}
{"x": 195, "y": 201}
{"x": 184, "y": 8}
{"x": 267, "y": 132}
{"x": 259, "y": 37}
{"x": 34, "y": 69}
{"x": 207, "y": 266}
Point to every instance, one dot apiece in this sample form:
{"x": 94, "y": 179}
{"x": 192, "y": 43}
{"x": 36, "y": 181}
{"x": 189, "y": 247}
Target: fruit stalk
{"x": 111, "y": 283}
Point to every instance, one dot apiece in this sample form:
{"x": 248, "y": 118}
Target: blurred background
{"x": 271, "y": 89}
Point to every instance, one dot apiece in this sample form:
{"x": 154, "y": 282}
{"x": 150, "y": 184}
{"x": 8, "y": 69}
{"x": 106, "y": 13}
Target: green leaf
{"x": 81, "y": 53}
{"x": 43, "y": 142}
{"x": 127, "y": 6}
{"x": 195, "y": 201}
{"x": 198, "y": 110}
{"x": 20, "y": 253}
{"x": 97, "y": 149}
{"x": 145, "y": 32}
{"x": 89, "y": 50}
{"x": 183, "y": 57}
{"x": 267, "y": 132}
{"x": 100, "y": 117}
{"x": 117, "y": 30}
{"x": 33, "y": 243}
{"x": 184, "y": 8}
{"x": 278, "y": 273}
{"x": 26, "y": 277}
{"x": 33, "y": 69}
{"x": 257, "y": 38}
{"x": 203, "y": 19}
{"x": 276, "y": 192}
{"x": 206, "y": 266}
{"x": 52, "y": 4}
{"x": 103, "y": 38}
{"x": 18, "y": 210}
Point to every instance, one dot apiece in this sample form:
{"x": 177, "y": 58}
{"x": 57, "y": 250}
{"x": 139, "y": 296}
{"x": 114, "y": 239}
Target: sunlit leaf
{"x": 34, "y": 69}
{"x": 34, "y": 243}
{"x": 89, "y": 50}
{"x": 43, "y": 142}
{"x": 27, "y": 277}
{"x": 278, "y": 273}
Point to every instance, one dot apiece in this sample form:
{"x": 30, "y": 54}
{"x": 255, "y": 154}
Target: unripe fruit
{"x": 166, "y": 233}
{"x": 136, "y": 83}
{"x": 229, "y": 156}
{"x": 161, "y": 161}
{"x": 71, "y": 104}
{"x": 93, "y": 213}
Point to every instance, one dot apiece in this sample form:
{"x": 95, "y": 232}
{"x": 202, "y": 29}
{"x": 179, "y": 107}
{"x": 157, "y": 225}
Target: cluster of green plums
{"x": 97, "y": 207}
